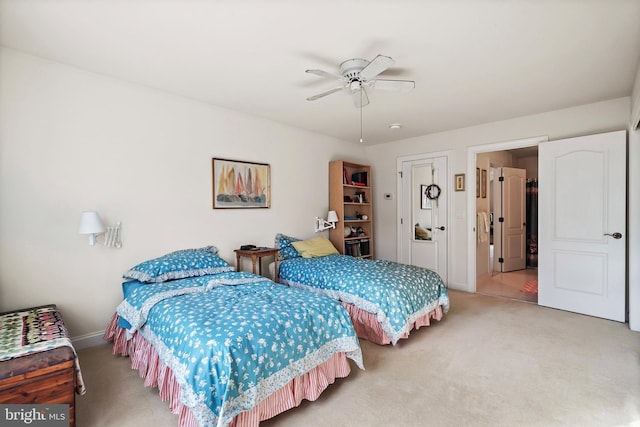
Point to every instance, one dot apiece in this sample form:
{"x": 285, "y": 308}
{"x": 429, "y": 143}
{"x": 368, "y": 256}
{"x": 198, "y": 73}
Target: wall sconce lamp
{"x": 91, "y": 225}
{"x": 321, "y": 224}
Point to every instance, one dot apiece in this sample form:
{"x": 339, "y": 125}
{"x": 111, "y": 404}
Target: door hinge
{"x": 500, "y": 260}
{"x": 400, "y": 174}
{"x": 501, "y": 179}
{"x": 501, "y": 219}
{"x": 401, "y": 222}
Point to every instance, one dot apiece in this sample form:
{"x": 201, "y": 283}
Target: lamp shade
{"x": 90, "y": 223}
{"x": 332, "y": 217}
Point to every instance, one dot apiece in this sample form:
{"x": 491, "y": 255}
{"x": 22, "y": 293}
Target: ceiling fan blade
{"x": 323, "y": 94}
{"x": 360, "y": 98}
{"x": 376, "y": 66}
{"x": 397, "y": 85}
{"x": 322, "y": 73}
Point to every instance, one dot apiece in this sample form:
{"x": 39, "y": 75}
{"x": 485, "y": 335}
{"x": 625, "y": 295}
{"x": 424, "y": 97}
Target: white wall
{"x": 633, "y": 211}
{"x": 633, "y": 232}
{"x": 587, "y": 119}
{"x": 71, "y": 141}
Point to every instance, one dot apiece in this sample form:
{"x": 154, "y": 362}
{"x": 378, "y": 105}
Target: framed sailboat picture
{"x": 239, "y": 184}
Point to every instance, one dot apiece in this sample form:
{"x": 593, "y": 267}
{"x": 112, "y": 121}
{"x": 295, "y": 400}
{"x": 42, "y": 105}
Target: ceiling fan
{"x": 357, "y": 74}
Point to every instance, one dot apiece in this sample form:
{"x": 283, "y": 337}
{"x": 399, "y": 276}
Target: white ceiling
{"x": 474, "y": 61}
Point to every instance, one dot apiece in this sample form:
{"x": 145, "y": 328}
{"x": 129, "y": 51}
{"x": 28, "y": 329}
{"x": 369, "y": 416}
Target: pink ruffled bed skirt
{"x": 145, "y": 359}
{"x": 367, "y": 326}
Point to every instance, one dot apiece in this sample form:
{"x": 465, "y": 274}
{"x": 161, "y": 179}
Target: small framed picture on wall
{"x": 459, "y": 182}
{"x": 483, "y": 183}
{"x": 477, "y": 182}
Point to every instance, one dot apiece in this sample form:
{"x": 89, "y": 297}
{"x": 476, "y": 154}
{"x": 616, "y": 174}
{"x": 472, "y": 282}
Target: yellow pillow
{"x": 318, "y": 246}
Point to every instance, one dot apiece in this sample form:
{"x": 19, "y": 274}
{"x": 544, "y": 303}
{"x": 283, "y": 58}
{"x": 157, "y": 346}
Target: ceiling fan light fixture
{"x": 350, "y": 69}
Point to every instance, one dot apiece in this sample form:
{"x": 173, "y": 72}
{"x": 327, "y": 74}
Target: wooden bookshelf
{"x": 350, "y": 195}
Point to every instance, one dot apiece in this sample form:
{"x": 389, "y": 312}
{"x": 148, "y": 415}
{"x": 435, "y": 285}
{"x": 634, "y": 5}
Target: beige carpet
{"x": 489, "y": 362}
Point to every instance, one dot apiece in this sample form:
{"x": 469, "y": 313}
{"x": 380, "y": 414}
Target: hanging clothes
{"x": 483, "y": 226}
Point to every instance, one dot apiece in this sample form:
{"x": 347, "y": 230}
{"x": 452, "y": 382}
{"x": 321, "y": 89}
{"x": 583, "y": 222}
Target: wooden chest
{"x": 46, "y": 377}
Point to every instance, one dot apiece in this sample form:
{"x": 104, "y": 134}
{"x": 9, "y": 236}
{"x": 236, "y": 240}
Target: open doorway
{"x": 499, "y": 212}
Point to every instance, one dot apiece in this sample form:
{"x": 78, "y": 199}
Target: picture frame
{"x": 477, "y": 183}
{"x": 239, "y": 184}
{"x": 459, "y": 182}
{"x": 425, "y": 202}
{"x": 483, "y": 183}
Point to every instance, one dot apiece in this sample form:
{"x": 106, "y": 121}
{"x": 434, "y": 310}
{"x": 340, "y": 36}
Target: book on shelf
{"x": 345, "y": 177}
{"x": 359, "y": 178}
{"x": 352, "y": 248}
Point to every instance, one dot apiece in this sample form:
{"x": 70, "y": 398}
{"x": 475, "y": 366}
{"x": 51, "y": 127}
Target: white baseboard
{"x": 92, "y": 339}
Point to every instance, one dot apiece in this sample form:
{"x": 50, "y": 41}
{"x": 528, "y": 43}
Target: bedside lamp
{"x": 90, "y": 224}
{"x": 321, "y": 224}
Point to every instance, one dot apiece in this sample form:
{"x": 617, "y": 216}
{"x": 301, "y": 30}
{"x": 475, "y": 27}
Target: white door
{"x": 423, "y": 230}
{"x": 582, "y": 236}
{"x": 512, "y": 219}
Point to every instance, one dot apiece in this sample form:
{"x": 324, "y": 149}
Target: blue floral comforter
{"x": 397, "y": 294}
{"x": 231, "y": 339}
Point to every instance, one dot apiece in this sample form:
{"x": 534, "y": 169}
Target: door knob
{"x": 441, "y": 228}
{"x": 614, "y": 235}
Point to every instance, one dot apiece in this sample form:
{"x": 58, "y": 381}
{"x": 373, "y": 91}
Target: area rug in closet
{"x": 531, "y": 287}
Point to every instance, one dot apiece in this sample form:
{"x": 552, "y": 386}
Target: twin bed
{"x": 233, "y": 348}
{"x": 386, "y": 300}
{"x": 225, "y": 347}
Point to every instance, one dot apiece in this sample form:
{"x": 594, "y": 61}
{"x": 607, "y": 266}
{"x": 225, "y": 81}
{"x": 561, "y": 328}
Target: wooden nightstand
{"x": 256, "y": 256}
